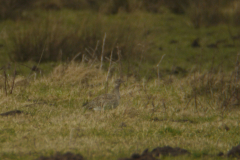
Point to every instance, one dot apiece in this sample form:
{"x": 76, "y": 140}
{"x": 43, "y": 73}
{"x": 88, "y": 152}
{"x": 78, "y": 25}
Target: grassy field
{"x": 193, "y": 104}
{"x": 151, "y": 114}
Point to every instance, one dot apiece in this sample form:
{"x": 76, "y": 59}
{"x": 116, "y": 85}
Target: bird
{"x": 106, "y": 101}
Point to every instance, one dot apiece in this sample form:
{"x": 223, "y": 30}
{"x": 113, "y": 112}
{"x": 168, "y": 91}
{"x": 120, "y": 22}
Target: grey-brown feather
{"x": 106, "y": 101}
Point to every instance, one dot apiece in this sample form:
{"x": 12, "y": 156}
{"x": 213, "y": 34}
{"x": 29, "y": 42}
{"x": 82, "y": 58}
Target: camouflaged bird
{"x": 106, "y": 101}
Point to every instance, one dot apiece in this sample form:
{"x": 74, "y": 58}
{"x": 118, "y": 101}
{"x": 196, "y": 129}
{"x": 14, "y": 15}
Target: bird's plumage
{"x": 106, "y": 101}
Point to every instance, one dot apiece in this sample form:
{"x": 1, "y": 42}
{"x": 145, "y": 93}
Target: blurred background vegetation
{"x": 200, "y": 11}
{"x": 189, "y": 32}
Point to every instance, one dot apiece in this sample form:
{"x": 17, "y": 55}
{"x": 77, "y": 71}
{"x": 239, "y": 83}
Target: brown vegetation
{"x": 56, "y": 40}
{"x": 201, "y": 12}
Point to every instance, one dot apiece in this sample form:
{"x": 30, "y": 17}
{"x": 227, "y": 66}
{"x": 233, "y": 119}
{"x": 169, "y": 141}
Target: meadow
{"x": 181, "y": 83}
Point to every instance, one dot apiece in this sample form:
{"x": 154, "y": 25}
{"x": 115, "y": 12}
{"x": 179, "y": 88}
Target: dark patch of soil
{"x": 66, "y": 156}
{"x": 159, "y": 151}
{"x": 12, "y": 113}
{"x": 234, "y": 152}
{"x": 196, "y": 43}
{"x": 220, "y": 154}
{"x": 160, "y": 48}
{"x": 169, "y": 151}
{"x": 173, "y": 41}
{"x": 178, "y": 70}
{"x": 144, "y": 156}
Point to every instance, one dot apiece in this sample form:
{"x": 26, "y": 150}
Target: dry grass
{"x": 150, "y": 114}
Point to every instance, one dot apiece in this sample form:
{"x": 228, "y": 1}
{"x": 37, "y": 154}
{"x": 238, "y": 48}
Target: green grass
{"x": 143, "y": 37}
{"x": 154, "y": 112}
{"x": 60, "y": 124}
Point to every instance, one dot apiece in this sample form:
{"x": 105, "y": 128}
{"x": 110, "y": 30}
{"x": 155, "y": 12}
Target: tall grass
{"x": 62, "y": 39}
{"x": 149, "y": 115}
